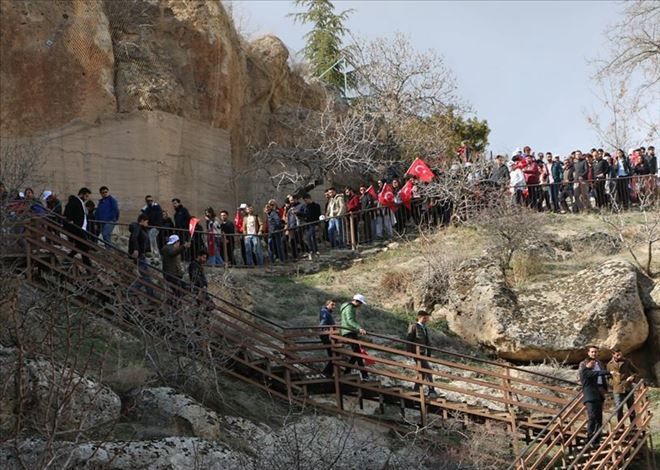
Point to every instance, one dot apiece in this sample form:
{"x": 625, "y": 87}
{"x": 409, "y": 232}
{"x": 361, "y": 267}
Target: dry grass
{"x": 396, "y": 281}
{"x": 524, "y": 266}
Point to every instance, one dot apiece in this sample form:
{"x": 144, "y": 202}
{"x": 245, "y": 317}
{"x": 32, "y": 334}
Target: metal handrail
{"x": 441, "y": 351}
{"x": 588, "y": 445}
{"x": 543, "y": 433}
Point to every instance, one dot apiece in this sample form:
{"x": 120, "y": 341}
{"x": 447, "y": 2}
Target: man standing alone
{"x": 418, "y": 333}
{"x": 107, "y": 212}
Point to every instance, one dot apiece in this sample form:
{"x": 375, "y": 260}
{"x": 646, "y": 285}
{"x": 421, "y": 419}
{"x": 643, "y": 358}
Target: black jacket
{"x": 197, "y": 275}
{"x": 652, "y": 163}
{"x": 418, "y": 334}
{"x": 181, "y": 217}
{"x": 74, "y": 212}
{"x": 155, "y": 214}
{"x": 139, "y": 240}
{"x": 580, "y": 169}
{"x": 310, "y": 212}
{"x": 601, "y": 168}
{"x": 590, "y": 389}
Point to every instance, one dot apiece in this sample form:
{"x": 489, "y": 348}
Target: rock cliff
{"x": 160, "y": 95}
{"x": 602, "y": 306}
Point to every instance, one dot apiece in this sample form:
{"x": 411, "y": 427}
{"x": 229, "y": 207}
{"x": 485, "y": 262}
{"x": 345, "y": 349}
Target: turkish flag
{"x": 372, "y": 192}
{"x": 406, "y": 193}
{"x": 386, "y": 197}
{"x": 192, "y": 224}
{"x": 421, "y": 170}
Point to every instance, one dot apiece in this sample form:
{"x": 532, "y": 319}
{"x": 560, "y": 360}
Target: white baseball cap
{"x": 173, "y": 239}
{"x": 243, "y": 206}
{"x": 360, "y": 298}
{"x": 46, "y": 194}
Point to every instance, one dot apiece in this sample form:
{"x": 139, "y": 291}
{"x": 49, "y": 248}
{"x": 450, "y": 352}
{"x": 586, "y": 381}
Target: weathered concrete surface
{"x": 142, "y": 153}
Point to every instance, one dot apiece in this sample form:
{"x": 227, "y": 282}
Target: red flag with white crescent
{"x": 406, "y": 193}
{"x": 386, "y": 197}
{"x": 421, "y": 170}
{"x": 192, "y": 224}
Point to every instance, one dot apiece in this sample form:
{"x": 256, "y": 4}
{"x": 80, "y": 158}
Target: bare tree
{"x": 635, "y": 43}
{"x": 629, "y": 77}
{"x": 408, "y": 89}
{"x": 648, "y": 227}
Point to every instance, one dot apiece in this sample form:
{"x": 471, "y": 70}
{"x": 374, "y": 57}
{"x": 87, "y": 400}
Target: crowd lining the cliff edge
{"x": 293, "y": 228}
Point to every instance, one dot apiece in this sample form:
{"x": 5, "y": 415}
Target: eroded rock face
{"x": 599, "y": 305}
{"x": 56, "y": 64}
{"x": 50, "y": 390}
{"x": 163, "y": 405}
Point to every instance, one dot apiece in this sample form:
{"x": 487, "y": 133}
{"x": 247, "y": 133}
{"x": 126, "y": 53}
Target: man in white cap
{"x": 171, "y": 265}
{"x": 351, "y": 329}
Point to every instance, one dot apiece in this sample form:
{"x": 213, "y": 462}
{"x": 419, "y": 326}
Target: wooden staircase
{"x": 286, "y": 362}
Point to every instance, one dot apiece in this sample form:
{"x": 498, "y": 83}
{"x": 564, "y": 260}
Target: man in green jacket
{"x": 351, "y": 329}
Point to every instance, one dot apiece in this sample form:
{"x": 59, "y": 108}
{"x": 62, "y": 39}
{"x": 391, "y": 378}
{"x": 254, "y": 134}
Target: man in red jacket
{"x": 532, "y": 178}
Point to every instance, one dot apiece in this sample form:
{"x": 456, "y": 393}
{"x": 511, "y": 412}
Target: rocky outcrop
{"x": 163, "y": 406}
{"x": 599, "y": 305}
{"x": 172, "y": 453}
{"x": 57, "y": 65}
{"x": 160, "y": 95}
{"x": 51, "y": 393}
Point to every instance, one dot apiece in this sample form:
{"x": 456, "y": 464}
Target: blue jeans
{"x": 143, "y": 276}
{"x": 106, "y": 232}
{"x": 276, "y": 247}
{"x": 253, "y": 248}
{"x": 312, "y": 245}
{"x": 335, "y": 233}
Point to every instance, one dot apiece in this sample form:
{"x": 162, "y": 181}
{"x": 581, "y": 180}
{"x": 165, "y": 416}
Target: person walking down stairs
{"x": 351, "y": 329}
{"x": 419, "y": 333}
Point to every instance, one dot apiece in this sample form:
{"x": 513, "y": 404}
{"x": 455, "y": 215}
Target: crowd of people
{"x": 548, "y": 182}
{"x": 294, "y": 228}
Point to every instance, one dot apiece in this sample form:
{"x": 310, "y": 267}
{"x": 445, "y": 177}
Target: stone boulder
{"x": 51, "y": 390}
{"x": 172, "y": 453}
{"x": 164, "y": 406}
{"x": 599, "y": 305}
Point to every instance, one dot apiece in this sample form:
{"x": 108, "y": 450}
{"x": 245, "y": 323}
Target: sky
{"x": 522, "y": 66}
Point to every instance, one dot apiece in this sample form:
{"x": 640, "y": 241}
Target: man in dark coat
{"x": 75, "y": 214}
{"x": 326, "y": 319}
{"x": 593, "y": 378}
{"x": 592, "y": 398}
{"x": 138, "y": 246}
{"x": 419, "y": 333}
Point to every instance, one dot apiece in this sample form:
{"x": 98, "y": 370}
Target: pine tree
{"x": 324, "y": 41}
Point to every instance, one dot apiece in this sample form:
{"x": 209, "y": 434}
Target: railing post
{"x": 28, "y": 251}
{"x": 351, "y": 228}
{"x": 339, "y": 397}
{"x": 224, "y": 250}
{"x": 506, "y": 382}
{"x": 420, "y": 377}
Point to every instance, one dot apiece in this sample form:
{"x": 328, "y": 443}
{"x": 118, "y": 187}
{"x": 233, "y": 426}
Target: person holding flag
{"x": 387, "y": 205}
{"x": 420, "y": 170}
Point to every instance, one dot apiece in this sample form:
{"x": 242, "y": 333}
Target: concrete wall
{"x": 145, "y": 152}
